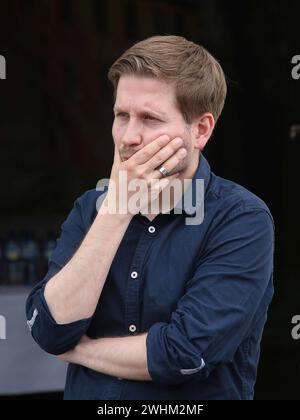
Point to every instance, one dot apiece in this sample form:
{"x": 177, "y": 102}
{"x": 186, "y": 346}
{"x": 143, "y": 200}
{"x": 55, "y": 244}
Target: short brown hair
{"x": 199, "y": 80}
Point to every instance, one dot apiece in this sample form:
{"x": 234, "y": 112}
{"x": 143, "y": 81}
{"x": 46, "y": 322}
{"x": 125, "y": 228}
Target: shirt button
{"x": 120, "y": 379}
{"x": 151, "y": 229}
{"x": 132, "y": 328}
{"x": 134, "y": 275}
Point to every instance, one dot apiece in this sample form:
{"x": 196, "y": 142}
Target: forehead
{"x": 143, "y": 91}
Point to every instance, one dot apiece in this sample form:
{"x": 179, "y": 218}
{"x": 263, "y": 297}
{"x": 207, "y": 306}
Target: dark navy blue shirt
{"x": 201, "y": 291}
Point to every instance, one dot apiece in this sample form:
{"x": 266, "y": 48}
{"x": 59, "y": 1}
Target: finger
{"x": 160, "y": 184}
{"x": 171, "y": 163}
{"x": 147, "y": 152}
{"x": 165, "y": 153}
{"x": 117, "y": 157}
{"x": 168, "y": 179}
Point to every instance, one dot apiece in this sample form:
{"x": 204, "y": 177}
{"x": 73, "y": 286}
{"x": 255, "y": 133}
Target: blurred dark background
{"x": 56, "y": 117}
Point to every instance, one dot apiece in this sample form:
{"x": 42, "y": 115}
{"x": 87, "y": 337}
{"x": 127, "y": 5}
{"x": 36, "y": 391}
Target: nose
{"x": 132, "y": 135}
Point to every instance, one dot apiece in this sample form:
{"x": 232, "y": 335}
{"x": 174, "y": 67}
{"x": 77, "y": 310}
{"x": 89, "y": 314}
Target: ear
{"x": 202, "y": 128}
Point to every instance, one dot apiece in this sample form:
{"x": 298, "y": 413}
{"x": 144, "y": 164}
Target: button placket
{"x": 132, "y": 307}
{"x": 151, "y": 229}
{"x": 132, "y": 328}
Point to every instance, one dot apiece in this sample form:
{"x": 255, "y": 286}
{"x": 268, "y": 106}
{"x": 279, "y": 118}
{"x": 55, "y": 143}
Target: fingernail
{"x": 182, "y": 152}
{"x": 178, "y": 141}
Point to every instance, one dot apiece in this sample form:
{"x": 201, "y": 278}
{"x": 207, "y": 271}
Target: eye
{"x": 121, "y": 115}
{"x": 150, "y": 118}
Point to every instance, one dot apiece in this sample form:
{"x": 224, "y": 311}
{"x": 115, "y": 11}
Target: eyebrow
{"x": 145, "y": 111}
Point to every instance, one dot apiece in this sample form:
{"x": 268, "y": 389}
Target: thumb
{"x": 117, "y": 157}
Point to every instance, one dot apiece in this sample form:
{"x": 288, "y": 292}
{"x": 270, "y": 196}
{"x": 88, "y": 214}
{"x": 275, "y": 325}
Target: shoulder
{"x": 86, "y": 206}
{"x": 89, "y": 197}
{"x": 227, "y": 200}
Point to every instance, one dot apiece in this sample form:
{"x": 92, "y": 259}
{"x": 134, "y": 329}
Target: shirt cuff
{"x": 170, "y": 366}
{"x": 52, "y": 337}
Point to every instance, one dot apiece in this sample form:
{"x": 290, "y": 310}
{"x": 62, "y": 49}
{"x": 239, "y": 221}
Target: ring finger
{"x": 170, "y": 164}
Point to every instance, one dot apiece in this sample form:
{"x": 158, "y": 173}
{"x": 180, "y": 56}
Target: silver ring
{"x": 163, "y": 171}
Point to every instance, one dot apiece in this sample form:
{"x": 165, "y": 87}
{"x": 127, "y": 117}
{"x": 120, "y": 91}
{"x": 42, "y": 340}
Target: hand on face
{"x": 144, "y": 165}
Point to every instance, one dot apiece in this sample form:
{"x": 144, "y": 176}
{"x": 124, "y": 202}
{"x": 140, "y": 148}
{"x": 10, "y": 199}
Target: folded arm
{"x": 122, "y": 357}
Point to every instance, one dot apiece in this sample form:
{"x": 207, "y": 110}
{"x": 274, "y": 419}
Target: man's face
{"x": 144, "y": 110}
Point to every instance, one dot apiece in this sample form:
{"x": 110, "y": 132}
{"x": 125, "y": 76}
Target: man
{"x": 141, "y": 304}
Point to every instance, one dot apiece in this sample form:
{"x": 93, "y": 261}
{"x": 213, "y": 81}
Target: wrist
{"x": 109, "y": 208}
{"x": 87, "y": 353}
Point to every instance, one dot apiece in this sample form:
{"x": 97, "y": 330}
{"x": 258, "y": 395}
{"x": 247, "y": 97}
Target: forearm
{"x": 122, "y": 357}
{"x": 73, "y": 293}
